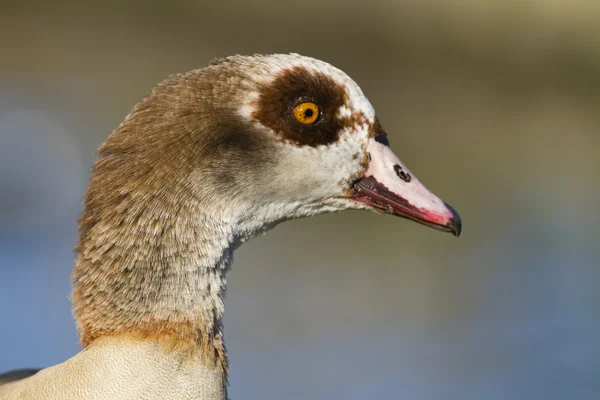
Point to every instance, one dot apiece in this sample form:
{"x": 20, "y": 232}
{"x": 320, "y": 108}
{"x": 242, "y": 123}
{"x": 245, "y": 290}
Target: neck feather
{"x": 153, "y": 271}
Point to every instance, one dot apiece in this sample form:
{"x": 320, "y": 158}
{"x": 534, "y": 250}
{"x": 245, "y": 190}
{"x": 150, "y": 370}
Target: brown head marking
{"x": 292, "y": 86}
{"x": 378, "y": 133}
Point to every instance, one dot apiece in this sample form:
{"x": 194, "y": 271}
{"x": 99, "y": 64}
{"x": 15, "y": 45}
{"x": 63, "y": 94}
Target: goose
{"x": 208, "y": 160}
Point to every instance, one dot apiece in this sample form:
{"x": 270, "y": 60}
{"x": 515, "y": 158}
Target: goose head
{"x": 258, "y": 140}
{"x": 248, "y": 142}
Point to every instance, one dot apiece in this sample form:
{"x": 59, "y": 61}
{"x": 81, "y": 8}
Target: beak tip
{"x": 455, "y": 224}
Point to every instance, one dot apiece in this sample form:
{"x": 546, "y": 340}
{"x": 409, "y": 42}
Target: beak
{"x": 389, "y": 186}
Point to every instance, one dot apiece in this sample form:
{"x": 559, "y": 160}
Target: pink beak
{"x": 390, "y": 187}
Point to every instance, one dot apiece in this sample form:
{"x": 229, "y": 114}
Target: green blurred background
{"x": 495, "y": 105}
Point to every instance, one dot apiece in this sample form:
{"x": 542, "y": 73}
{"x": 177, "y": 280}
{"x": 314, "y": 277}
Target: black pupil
{"x": 308, "y": 113}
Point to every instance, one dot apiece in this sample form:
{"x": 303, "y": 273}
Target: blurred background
{"x": 493, "y": 104}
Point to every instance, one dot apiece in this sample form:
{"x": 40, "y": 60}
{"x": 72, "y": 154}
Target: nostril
{"x": 405, "y": 176}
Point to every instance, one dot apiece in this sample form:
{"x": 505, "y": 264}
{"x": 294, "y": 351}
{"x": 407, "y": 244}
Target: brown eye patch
{"x": 278, "y": 99}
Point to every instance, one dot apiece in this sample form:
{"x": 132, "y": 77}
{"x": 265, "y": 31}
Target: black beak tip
{"x": 455, "y": 224}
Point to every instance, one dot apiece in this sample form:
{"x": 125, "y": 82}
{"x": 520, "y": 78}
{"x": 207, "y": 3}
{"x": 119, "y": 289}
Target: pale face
{"x": 335, "y": 158}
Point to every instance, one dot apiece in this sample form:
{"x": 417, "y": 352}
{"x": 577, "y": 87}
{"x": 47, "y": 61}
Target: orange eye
{"x": 307, "y": 112}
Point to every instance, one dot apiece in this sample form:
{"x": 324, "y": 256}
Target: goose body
{"x": 210, "y": 159}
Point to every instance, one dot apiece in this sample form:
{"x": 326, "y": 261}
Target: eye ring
{"x": 307, "y": 112}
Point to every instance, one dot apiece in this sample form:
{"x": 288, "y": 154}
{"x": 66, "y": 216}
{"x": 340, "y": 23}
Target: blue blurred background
{"x": 493, "y": 104}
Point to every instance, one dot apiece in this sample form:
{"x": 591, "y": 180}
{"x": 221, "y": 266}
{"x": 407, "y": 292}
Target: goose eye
{"x": 307, "y": 112}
